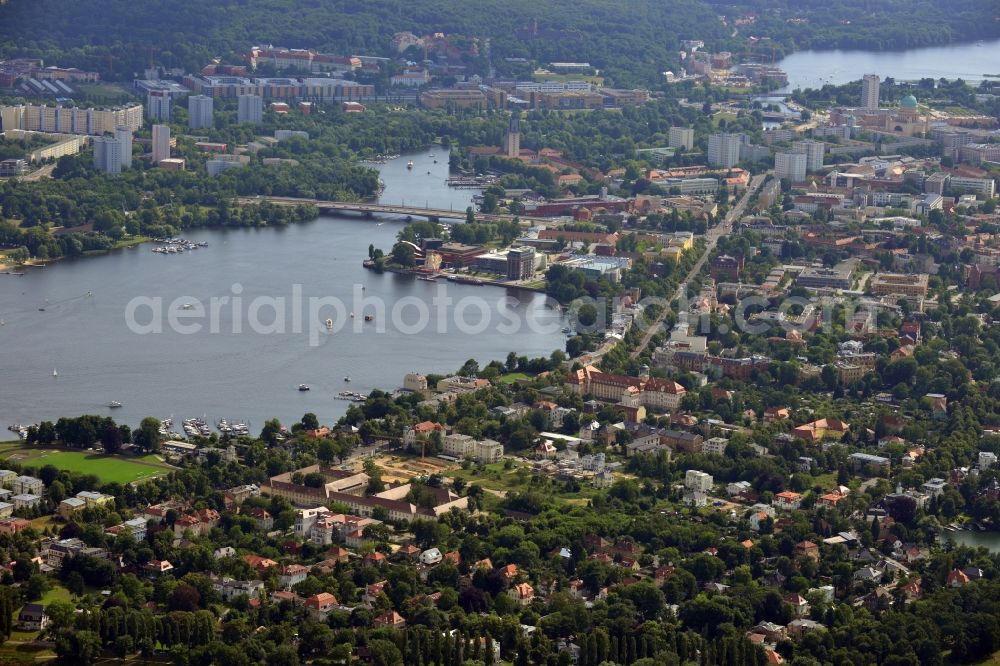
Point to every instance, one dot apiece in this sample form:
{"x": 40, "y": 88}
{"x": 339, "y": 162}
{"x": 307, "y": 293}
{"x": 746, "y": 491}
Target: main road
{"x": 724, "y": 227}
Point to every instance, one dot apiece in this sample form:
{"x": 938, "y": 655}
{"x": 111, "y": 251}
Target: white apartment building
{"x": 813, "y": 150}
{"x": 869, "y": 92}
{"x": 200, "y": 108}
{"x": 463, "y": 446}
{"x": 724, "y": 150}
{"x": 681, "y": 137}
{"x": 161, "y": 143}
{"x": 697, "y": 480}
{"x": 791, "y": 166}
{"x": 250, "y": 109}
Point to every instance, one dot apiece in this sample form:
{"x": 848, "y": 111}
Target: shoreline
{"x": 481, "y": 282}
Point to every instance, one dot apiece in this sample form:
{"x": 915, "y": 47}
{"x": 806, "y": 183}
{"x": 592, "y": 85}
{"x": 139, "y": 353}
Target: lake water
{"x": 813, "y": 69}
{"x": 990, "y": 540}
{"x": 237, "y": 373}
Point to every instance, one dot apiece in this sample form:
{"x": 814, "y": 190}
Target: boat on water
{"x": 303, "y": 387}
{"x": 427, "y": 278}
{"x": 329, "y": 323}
{"x": 114, "y": 404}
{"x": 347, "y": 378}
{"x": 186, "y": 306}
{"x": 54, "y": 373}
{"x": 352, "y": 315}
{"x": 409, "y": 165}
{"x": 369, "y": 317}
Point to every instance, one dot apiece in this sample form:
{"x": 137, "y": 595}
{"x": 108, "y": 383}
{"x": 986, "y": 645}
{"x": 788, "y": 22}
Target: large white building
{"x": 984, "y": 187}
{"x": 724, "y": 150}
{"x": 107, "y": 154}
{"x": 869, "y": 92}
{"x": 698, "y": 481}
{"x": 463, "y": 446}
{"x": 250, "y": 109}
{"x": 681, "y": 137}
{"x": 200, "y": 108}
{"x": 161, "y": 143}
{"x": 69, "y": 119}
{"x": 791, "y": 166}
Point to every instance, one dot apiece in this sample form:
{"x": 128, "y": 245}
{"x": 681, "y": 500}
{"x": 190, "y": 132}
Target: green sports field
{"x": 108, "y": 469}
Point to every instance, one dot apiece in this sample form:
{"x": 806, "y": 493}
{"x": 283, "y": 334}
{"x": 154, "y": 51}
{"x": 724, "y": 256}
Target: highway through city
{"x": 724, "y": 227}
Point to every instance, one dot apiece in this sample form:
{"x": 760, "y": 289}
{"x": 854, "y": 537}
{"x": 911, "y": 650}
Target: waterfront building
{"x": 520, "y": 263}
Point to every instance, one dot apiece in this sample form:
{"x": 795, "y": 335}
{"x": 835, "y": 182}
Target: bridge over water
{"x": 371, "y": 209}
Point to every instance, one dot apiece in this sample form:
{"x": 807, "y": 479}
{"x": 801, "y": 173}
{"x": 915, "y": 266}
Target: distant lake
{"x": 813, "y": 69}
{"x": 990, "y": 540}
{"x": 82, "y": 332}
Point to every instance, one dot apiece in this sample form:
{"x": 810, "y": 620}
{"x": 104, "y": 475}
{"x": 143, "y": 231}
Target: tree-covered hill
{"x": 633, "y": 40}
{"x": 863, "y": 24}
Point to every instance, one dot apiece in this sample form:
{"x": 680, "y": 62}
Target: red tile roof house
{"x": 292, "y": 575}
{"x": 522, "y": 593}
{"x": 320, "y": 605}
{"x": 259, "y": 563}
{"x": 808, "y": 549}
{"x": 389, "y": 619}
{"x": 788, "y": 500}
{"x": 956, "y": 578}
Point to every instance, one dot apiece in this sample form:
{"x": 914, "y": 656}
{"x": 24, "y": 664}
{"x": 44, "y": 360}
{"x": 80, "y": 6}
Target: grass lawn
{"x": 57, "y": 593}
{"x": 108, "y": 469}
{"x": 512, "y": 377}
{"x": 520, "y": 479}
{"x": 14, "y": 652}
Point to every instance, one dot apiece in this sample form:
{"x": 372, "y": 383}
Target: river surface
{"x": 250, "y": 367}
{"x": 813, "y": 69}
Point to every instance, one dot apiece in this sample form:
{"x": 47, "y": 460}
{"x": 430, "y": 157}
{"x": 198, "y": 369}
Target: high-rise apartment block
{"x": 813, "y": 150}
{"x": 724, "y": 150}
{"x": 200, "y": 108}
{"x": 791, "y": 166}
{"x": 250, "y": 109}
{"x": 869, "y": 92}
{"x": 161, "y": 143}
{"x": 681, "y": 137}
{"x": 123, "y": 134}
{"x": 108, "y": 154}
{"x": 158, "y": 103}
